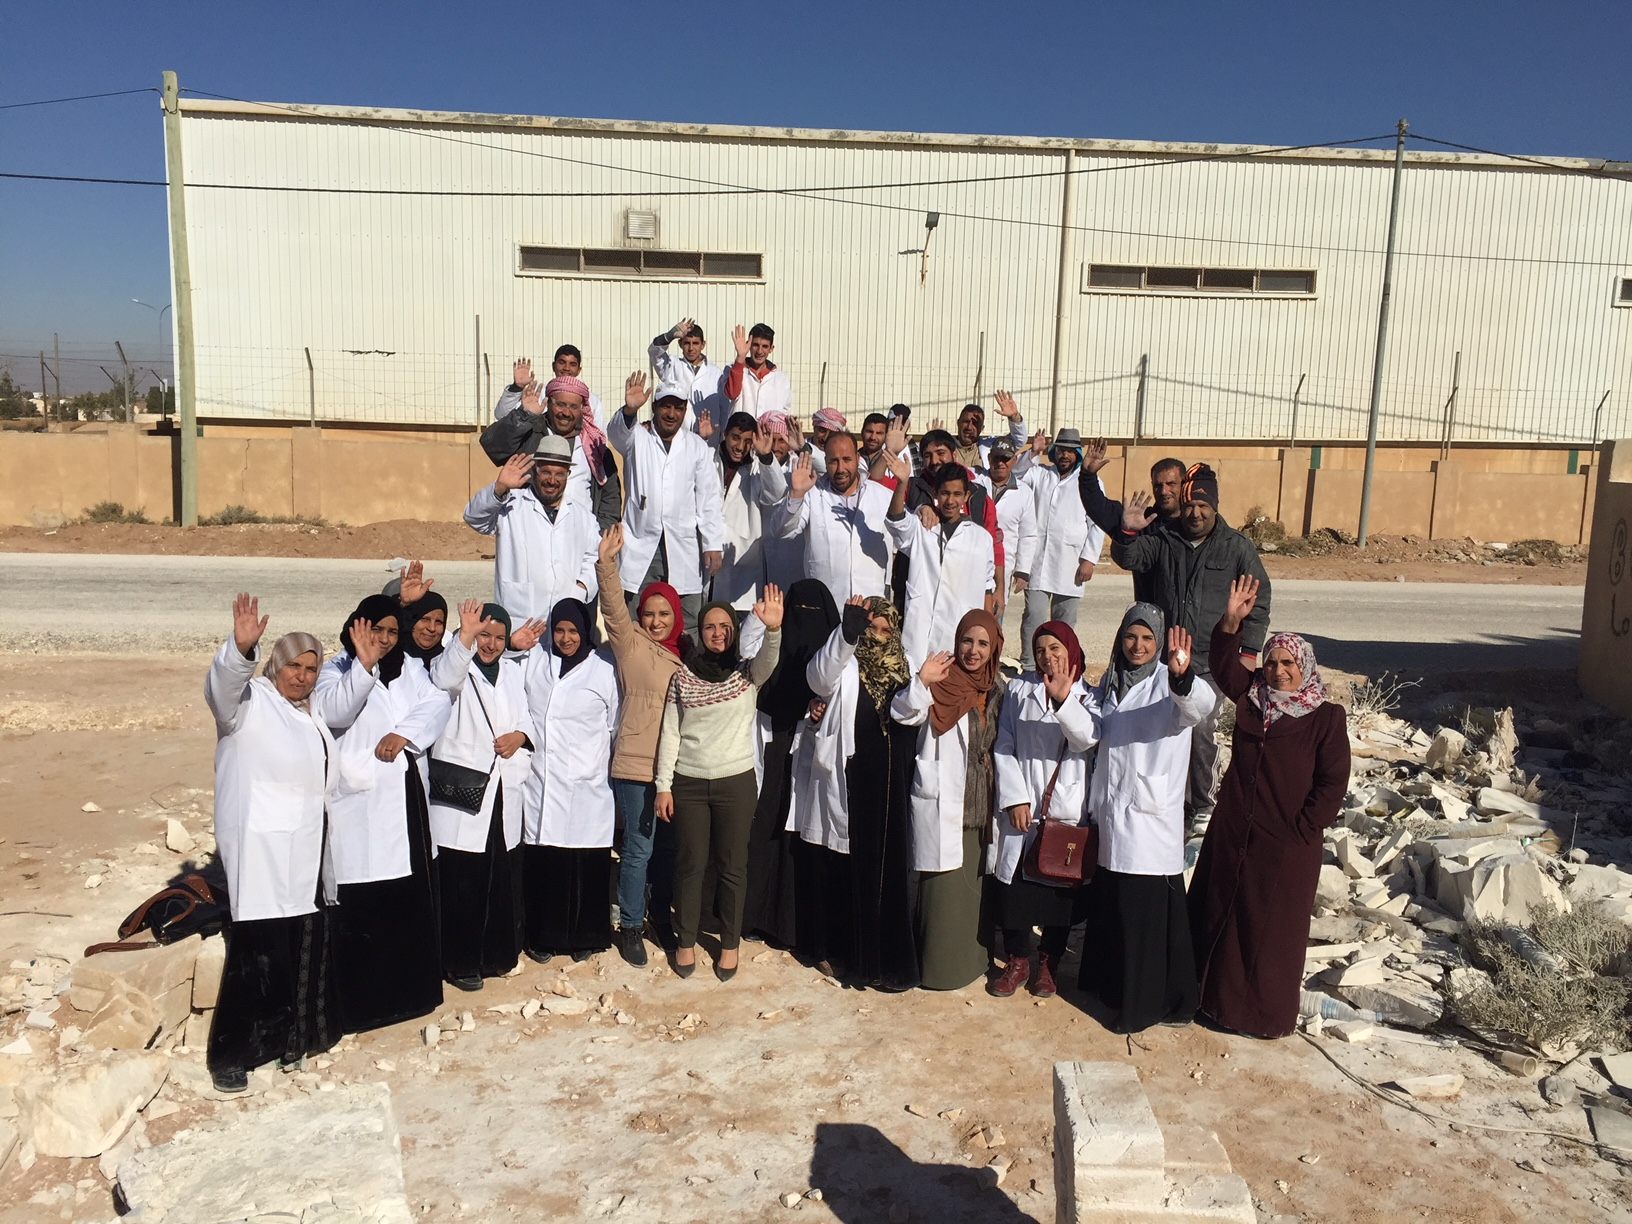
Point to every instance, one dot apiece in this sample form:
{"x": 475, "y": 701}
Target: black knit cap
{"x": 1201, "y": 484}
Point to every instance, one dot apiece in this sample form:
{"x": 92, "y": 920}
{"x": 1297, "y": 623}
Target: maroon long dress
{"x": 1254, "y": 887}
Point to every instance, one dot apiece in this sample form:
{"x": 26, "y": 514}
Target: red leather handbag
{"x": 1060, "y": 854}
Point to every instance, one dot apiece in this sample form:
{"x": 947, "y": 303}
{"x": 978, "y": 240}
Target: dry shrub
{"x": 112, "y": 512}
{"x": 1534, "y": 552}
{"x": 1582, "y": 1009}
{"x": 1373, "y": 699}
{"x": 1261, "y": 529}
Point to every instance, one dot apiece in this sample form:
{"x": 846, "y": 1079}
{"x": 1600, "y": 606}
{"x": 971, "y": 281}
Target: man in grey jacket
{"x": 564, "y": 407}
{"x": 1189, "y": 564}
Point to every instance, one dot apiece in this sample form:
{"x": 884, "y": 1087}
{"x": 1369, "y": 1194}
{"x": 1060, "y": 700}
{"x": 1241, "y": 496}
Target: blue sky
{"x": 1520, "y": 77}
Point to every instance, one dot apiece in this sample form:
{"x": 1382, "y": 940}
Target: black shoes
{"x": 680, "y": 970}
{"x": 471, "y": 983}
{"x": 725, "y": 975}
{"x": 543, "y": 958}
{"x": 236, "y": 1080}
{"x": 632, "y": 945}
{"x": 582, "y": 955}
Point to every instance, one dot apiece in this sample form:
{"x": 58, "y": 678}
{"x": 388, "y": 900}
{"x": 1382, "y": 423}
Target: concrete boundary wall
{"x": 365, "y": 476}
{"x": 1606, "y": 612}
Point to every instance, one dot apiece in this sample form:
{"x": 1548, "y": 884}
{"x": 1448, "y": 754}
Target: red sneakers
{"x": 1044, "y": 987}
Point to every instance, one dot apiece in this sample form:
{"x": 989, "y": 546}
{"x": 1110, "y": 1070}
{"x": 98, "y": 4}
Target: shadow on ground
{"x": 861, "y": 1174}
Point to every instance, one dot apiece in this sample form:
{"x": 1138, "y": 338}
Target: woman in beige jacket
{"x": 647, "y": 655}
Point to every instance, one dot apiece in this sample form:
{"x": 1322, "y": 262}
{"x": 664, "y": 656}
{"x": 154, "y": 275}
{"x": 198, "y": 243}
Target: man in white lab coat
{"x": 755, "y": 384}
{"x": 545, "y": 545}
{"x": 674, "y": 527}
{"x": 1016, "y": 516}
{"x": 567, "y": 407}
{"x": 951, "y": 562}
{"x": 692, "y": 371}
{"x": 841, "y": 519}
{"x": 1068, "y": 544}
{"x": 751, "y": 483}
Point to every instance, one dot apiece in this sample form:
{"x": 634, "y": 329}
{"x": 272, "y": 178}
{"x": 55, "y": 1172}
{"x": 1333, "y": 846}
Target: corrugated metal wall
{"x": 1515, "y": 268}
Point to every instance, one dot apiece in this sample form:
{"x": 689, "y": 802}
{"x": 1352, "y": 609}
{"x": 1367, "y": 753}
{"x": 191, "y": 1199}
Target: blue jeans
{"x": 646, "y": 853}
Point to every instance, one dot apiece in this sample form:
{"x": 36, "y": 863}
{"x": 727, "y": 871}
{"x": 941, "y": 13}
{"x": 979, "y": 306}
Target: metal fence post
{"x": 1450, "y": 406}
{"x": 1139, "y": 399}
{"x": 1292, "y": 434}
{"x": 311, "y": 389}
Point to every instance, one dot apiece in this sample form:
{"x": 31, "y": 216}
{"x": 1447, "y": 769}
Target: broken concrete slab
{"x": 83, "y": 1110}
{"x": 1611, "y": 1127}
{"x": 1446, "y": 749}
{"x": 1618, "y": 1067}
{"x": 1333, "y": 889}
{"x": 127, "y": 1020}
{"x": 207, "y": 971}
{"x": 1488, "y": 801}
{"x": 1431, "y": 1087}
{"x": 1352, "y": 1031}
{"x": 333, "y": 1156}
{"x": 1194, "y": 1148}
{"x": 1108, "y": 1148}
{"x": 154, "y": 972}
{"x": 1399, "y": 1000}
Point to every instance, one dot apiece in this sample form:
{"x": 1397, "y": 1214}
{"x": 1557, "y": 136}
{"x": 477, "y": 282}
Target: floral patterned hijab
{"x": 1275, "y": 704}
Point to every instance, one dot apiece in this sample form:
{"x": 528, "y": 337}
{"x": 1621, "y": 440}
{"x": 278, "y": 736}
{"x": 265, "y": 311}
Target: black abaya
{"x": 882, "y": 888}
{"x": 1137, "y": 955}
{"x": 387, "y": 946}
{"x": 568, "y": 899}
{"x": 277, "y": 993}
{"x": 769, "y": 912}
{"x": 481, "y": 905}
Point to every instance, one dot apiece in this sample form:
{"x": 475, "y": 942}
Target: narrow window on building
{"x": 1172, "y": 278}
{"x": 1625, "y": 298}
{"x": 1115, "y": 276}
{"x": 1228, "y": 280}
{"x": 1286, "y": 282}
{"x": 549, "y": 259}
{"x": 744, "y": 267}
{"x": 673, "y": 263}
{"x": 635, "y": 262}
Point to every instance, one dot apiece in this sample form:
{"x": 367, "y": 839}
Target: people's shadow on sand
{"x": 861, "y": 1174}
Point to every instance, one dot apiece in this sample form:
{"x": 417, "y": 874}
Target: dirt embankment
{"x": 1325, "y": 554}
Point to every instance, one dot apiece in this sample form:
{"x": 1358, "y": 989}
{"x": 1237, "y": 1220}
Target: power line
{"x": 118, "y": 93}
{"x": 1589, "y": 171}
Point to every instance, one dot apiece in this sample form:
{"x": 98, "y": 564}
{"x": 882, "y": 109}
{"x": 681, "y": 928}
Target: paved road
{"x": 180, "y": 604}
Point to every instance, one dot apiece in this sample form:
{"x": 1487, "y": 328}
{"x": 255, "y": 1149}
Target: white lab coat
{"x": 483, "y": 711}
{"x": 753, "y": 491}
{"x": 368, "y": 831}
{"x": 946, "y": 577}
{"x": 822, "y": 755}
{"x": 1137, "y": 793}
{"x": 938, "y": 776}
{"x": 1065, "y": 536}
{"x": 569, "y": 790}
{"x": 784, "y": 555}
{"x": 580, "y": 490}
{"x": 673, "y": 495}
{"x": 1031, "y": 735}
{"x": 1017, "y": 520}
{"x": 536, "y": 563}
{"x": 274, "y": 765}
{"x": 847, "y": 541}
{"x": 704, "y": 388}
{"x": 771, "y": 393}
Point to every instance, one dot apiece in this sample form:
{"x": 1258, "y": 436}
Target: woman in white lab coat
{"x": 572, "y": 694}
{"x": 479, "y": 768}
{"x": 1042, "y": 773}
{"x": 274, "y": 766}
{"x": 1140, "y": 962}
{"x": 388, "y": 959}
{"x": 956, "y": 699}
{"x": 854, "y": 771}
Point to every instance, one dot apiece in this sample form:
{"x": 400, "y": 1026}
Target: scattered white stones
{"x": 1352, "y": 1031}
{"x": 431, "y": 1034}
{"x": 176, "y": 837}
{"x": 1431, "y": 1087}
{"x": 90, "y": 806}
{"x": 84, "y": 1110}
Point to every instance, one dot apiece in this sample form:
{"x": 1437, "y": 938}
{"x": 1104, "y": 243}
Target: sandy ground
{"x": 1387, "y": 559}
{"x": 782, "y": 1081}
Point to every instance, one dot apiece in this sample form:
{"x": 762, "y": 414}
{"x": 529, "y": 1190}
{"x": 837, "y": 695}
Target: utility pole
{"x": 1382, "y": 337}
{"x": 45, "y": 403}
{"x": 56, "y": 370}
{"x": 124, "y": 386}
{"x": 181, "y": 295}
{"x": 1062, "y": 289}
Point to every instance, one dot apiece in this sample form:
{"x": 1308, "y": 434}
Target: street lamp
{"x": 158, "y": 310}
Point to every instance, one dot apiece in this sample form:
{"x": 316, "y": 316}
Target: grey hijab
{"x": 1122, "y": 675}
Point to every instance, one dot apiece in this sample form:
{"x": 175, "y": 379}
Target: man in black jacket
{"x": 1166, "y": 481}
{"x": 1190, "y": 564}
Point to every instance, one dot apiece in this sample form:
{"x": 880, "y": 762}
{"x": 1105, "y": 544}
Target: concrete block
{"x": 1333, "y": 889}
{"x": 1401, "y": 1000}
{"x": 207, "y": 970}
{"x": 1194, "y": 1149}
{"x": 308, "y": 1158}
{"x": 1108, "y": 1149}
{"x": 153, "y": 972}
{"x": 1191, "y": 1198}
{"x": 84, "y": 1110}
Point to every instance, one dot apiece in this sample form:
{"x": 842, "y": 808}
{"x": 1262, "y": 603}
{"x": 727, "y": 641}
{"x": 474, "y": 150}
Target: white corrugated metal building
{"x": 1209, "y": 291}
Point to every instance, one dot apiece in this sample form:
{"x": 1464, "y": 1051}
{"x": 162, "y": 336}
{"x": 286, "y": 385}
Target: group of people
{"x": 767, "y": 670}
